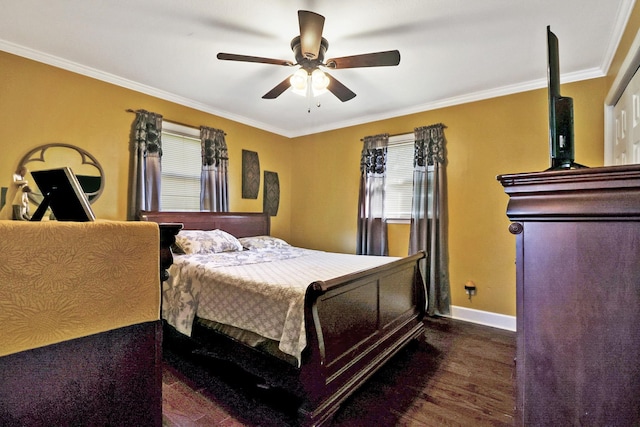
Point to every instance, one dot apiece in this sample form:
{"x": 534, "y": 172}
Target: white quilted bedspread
{"x": 260, "y": 291}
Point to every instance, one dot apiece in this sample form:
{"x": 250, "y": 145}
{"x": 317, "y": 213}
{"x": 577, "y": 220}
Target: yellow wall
{"x": 484, "y": 139}
{"x": 319, "y": 173}
{"x": 40, "y": 104}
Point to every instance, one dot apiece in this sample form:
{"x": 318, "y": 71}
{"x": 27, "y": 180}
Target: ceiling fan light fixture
{"x": 305, "y": 84}
{"x": 298, "y": 82}
{"x": 319, "y": 82}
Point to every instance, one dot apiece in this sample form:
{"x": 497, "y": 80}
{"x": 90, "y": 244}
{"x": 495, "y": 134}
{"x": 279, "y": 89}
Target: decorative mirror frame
{"x": 38, "y": 155}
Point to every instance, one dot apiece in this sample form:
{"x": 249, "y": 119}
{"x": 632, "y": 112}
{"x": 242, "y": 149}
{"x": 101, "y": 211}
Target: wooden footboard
{"x": 355, "y": 324}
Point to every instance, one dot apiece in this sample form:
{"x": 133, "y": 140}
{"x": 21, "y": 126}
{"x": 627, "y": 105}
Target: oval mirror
{"x": 56, "y": 155}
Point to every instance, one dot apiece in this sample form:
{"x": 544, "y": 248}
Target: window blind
{"x": 181, "y": 168}
{"x": 399, "y": 177}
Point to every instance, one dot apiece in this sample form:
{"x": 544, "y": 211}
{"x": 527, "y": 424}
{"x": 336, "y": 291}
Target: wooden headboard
{"x": 240, "y": 224}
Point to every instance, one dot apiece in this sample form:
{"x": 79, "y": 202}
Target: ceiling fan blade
{"x": 342, "y": 92}
{"x": 311, "y": 25}
{"x": 278, "y": 90}
{"x": 245, "y": 58}
{"x": 377, "y": 59}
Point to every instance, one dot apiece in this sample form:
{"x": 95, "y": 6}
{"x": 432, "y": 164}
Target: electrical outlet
{"x": 470, "y": 288}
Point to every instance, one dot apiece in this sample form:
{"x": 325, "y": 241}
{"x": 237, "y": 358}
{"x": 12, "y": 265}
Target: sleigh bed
{"x": 349, "y": 325}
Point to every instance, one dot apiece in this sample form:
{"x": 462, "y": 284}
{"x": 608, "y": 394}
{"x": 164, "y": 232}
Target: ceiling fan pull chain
{"x": 309, "y": 94}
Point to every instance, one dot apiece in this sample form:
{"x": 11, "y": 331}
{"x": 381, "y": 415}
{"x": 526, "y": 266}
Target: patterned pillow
{"x": 207, "y": 242}
{"x": 262, "y": 242}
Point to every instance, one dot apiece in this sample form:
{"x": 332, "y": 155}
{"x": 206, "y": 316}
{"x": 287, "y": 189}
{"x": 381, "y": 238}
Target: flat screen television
{"x": 561, "y": 141}
{"x": 63, "y": 194}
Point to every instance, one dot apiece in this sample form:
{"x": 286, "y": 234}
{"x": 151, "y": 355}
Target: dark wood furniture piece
{"x": 168, "y": 232}
{"x": 354, "y": 324}
{"x": 578, "y": 295}
{"x": 113, "y": 378}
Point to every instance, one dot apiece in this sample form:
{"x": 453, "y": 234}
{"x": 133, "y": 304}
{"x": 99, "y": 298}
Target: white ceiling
{"x": 452, "y": 51}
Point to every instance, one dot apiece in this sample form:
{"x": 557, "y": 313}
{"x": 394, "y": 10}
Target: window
{"x": 399, "y": 178}
{"x": 181, "y": 168}
{"x": 398, "y": 196}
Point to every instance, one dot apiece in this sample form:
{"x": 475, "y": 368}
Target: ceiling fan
{"x": 309, "y": 49}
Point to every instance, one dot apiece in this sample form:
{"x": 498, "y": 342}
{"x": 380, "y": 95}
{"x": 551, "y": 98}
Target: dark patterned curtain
{"x": 147, "y": 155}
{"x": 372, "y": 228}
{"x": 214, "y": 181}
{"x": 429, "y": 215}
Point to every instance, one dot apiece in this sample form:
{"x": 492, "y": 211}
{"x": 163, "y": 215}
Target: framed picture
{"x": 271, "y": 193}
{"x": 250, "y": 174}
{"x": 63, "y": 194}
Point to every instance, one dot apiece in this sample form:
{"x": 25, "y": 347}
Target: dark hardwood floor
{"x": 461, "y": 374}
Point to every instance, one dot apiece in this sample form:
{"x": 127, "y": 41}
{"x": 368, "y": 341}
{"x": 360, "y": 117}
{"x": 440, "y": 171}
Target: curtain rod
{"x": 129, "y": 110}
{"x": 395, "y": 134}
{"x": 406, "y": 133}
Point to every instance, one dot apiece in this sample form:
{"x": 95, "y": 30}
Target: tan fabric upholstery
{"x": 65, "y": 280}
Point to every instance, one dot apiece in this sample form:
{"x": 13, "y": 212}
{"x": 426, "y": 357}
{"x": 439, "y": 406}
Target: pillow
{"x": 262, "y": 242}
{"x": 206, "y": 242}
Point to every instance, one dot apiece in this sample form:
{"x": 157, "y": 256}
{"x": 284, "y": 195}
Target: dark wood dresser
{"x": 578, "y": 295}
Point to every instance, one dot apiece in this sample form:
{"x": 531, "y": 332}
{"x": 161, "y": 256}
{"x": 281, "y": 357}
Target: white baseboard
{"x": 486, "y": 318}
